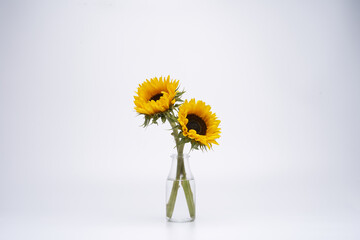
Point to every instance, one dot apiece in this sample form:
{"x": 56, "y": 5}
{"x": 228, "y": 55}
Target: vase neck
{"x": 180, "y": 169}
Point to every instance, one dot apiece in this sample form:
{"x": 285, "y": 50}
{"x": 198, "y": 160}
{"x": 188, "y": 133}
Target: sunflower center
{"x": 156, "y": 97}
{"x": 196, "y": 123}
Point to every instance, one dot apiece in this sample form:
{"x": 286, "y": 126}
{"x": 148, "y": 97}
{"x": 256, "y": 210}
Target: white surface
{"x": 246, "y": 211}
{"x": 283, "y": 78}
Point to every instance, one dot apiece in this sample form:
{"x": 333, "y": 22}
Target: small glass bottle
{"x": 180, "y": 191}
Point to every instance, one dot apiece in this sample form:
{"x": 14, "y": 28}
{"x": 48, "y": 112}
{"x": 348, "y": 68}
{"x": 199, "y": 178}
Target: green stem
{"x": 180, "y": 176}
{"x": 171, "y": 203}
{"x": 189, "y": 197}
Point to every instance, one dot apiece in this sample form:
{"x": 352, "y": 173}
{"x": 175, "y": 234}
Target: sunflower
{"x": 155, "y": 95}
{"x": 198, "y": 123}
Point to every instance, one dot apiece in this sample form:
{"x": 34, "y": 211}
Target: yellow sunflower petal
{"x": 205, "y": 122}
{"x": 162, "y": 90}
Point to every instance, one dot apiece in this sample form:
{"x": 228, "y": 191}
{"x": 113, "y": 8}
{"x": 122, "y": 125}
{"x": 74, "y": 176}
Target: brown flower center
{"x": 156, "y": 97}
{"x": 196, "y": 123}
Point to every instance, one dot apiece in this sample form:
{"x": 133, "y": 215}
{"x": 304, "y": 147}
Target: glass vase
{"x": 180, "y": 191}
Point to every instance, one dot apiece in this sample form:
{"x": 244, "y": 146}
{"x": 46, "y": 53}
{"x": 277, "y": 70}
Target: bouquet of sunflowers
{"x": 191, "y": 122}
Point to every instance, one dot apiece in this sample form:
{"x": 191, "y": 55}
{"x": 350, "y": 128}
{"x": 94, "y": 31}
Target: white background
{"x": 284, "y": 78}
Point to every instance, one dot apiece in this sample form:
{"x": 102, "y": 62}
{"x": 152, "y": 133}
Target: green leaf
{"x": 154, "y": 121}
{"x": 146, "y": 121}
{"x": 163, "y": 118}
